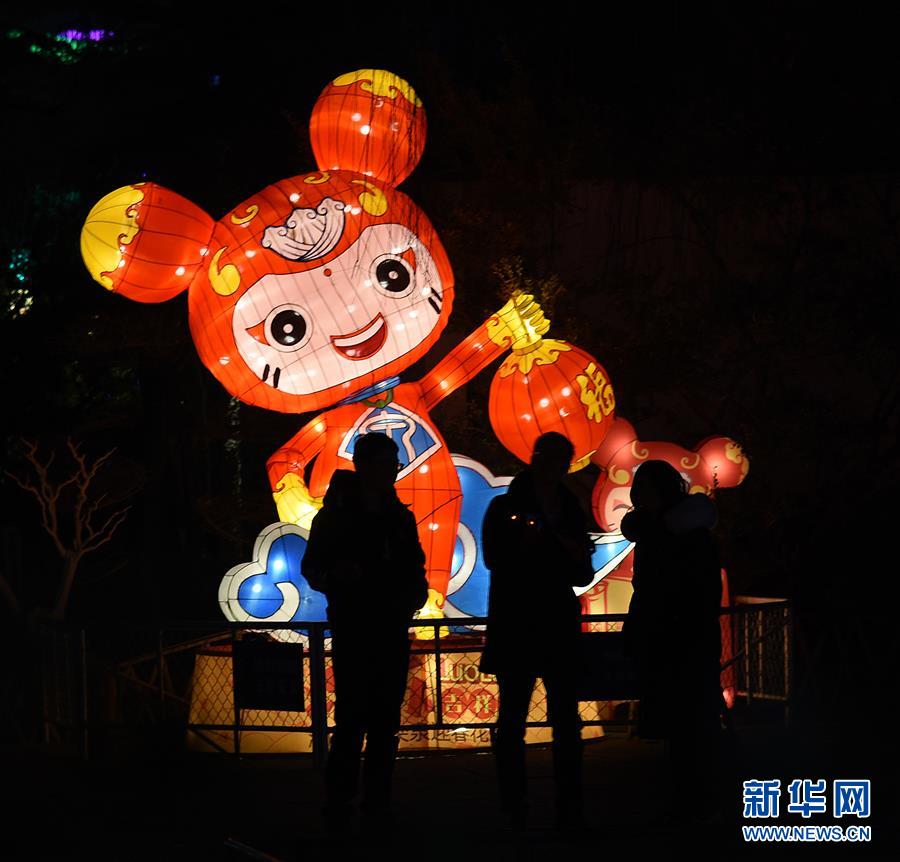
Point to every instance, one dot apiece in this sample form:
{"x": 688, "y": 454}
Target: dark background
{"x": 705, "y": 200}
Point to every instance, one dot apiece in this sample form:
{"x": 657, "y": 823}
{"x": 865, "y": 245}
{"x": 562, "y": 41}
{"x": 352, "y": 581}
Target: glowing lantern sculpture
{"x": 314, "y": 294}
{"x": 551, "y": 385}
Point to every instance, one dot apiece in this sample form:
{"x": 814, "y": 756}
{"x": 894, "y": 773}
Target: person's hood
{"x": 522, "y": 484}
{"x": 521, "y": 488}
{"x": 344, "y": 490}
{"x": 343, "y": 485}
{"x": 696, "y": 511}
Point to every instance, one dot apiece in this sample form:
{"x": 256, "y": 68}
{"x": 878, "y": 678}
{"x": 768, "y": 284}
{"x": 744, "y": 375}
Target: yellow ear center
{"x": 110, "y": 226}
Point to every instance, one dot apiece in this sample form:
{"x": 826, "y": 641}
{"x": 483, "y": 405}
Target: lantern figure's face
{"x": 318, "y": 287}
{"x": 369, "y": 307}
{"x": 614, "y": 505}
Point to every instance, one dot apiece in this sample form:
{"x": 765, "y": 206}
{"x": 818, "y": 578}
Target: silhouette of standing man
{"x": 536, "y": 545}
{"x": 364, "y": 553}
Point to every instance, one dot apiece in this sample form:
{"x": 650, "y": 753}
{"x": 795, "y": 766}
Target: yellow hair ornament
{"x": 372, "y": 200}
{"x": 225, "y": 281}
{"x": 380, "y": 83}
{"x": 618, "y": 475}
{"x": 733, "y": 452}
{"x": 638, "y": 454}
{"x": 252, "y": 210}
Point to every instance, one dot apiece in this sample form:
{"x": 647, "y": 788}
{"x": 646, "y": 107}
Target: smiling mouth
{"x": 362, "y": 343}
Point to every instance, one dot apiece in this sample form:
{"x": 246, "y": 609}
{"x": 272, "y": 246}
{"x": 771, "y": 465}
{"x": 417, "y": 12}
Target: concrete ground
{"x": 178, "y": 806}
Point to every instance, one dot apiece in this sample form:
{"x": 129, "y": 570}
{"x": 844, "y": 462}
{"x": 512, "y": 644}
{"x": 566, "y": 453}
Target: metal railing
{"x": 763, "y": 643}
{"x": 180, "y": 677}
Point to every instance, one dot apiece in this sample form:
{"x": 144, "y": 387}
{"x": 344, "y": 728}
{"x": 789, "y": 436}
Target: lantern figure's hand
{"x": 294, "y": 502}
{"x": 521, "y": 320}
{"x": 431, "y": 610}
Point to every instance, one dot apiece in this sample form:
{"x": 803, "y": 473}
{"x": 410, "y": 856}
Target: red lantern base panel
{"x": 469, "y": 701}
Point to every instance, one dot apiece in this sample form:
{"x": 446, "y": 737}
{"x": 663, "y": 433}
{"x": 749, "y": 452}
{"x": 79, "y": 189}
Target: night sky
{"x": 716, "y": 194}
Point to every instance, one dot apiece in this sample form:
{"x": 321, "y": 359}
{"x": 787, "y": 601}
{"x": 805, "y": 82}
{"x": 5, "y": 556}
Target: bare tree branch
{"x": 96, "y": 538}
{"x": 86, "y": 537}
{"x": 48, "y": 513}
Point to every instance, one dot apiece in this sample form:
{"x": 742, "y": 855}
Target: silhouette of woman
{"x": 672, "y": 630}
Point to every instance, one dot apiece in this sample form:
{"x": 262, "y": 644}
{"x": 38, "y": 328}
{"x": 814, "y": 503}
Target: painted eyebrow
{"x": 410, "y": 257}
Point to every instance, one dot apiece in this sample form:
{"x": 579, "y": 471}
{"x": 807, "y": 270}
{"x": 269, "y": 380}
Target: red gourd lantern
{"x": 546, "y": 385}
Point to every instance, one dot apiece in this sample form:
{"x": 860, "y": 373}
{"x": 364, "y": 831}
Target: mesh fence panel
{"x": 187, "y": 677}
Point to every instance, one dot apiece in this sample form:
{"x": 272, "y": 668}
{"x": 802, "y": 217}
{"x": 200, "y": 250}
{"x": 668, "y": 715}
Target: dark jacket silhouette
{"x": 672, "y": 630}
{"x": 533, "y": 571}
{"x": 535, "y": 562}
{"x": 371, "y": 568}
{"x": 366, "y": 563}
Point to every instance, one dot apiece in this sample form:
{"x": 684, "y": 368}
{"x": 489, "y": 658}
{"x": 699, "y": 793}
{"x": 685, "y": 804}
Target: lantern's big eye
{"x": 286, "y": 328}
{"x": 393, "y": 276}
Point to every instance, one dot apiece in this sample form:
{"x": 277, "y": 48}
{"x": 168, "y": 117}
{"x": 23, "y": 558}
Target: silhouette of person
{"x": 536, "y": 545}
{"x": 672, "y": 629}
{"x": 364, "y": 553}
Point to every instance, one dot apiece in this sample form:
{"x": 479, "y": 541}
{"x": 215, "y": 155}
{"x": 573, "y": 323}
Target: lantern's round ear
{"x": 371, "y": 122}
{"x": 726, "y": 459}
{"x": 621, "y": 434}
{"x": 145, "y": 241}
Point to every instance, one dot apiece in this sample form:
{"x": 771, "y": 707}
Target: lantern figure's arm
{"x": 295, "y": 503}
{"x": 518, "y": 324}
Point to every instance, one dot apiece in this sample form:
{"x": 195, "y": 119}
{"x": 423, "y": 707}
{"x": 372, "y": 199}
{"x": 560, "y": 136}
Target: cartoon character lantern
{"x": 314, "y": 294}
{"x": 551, "y": 385}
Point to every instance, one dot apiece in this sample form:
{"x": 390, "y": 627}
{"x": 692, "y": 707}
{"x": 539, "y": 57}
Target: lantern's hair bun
{"x": 145, "y": 241}
{"x": 621, "y": 434}
{"x": 727, "y": 460}
{"x": 370, "y": 122}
